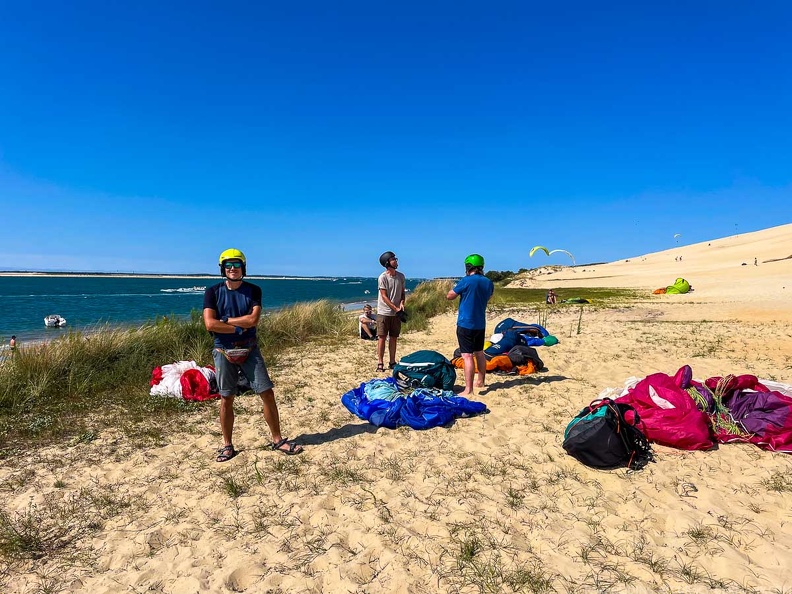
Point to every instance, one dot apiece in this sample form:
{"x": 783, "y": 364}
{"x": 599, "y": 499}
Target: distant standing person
{"x": 474, "y": 290}
{"x": 390, "y": 308}
{"x": 756, "y": 262}
{"x": 231, "y": 312}
{"x": 12, "y": 343}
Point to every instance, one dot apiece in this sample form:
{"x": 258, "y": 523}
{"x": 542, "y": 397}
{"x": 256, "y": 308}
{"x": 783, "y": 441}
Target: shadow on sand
{"x": 348, "y": 430}
{"x": 522, "y": 380}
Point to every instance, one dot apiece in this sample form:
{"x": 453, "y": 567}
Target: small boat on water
{"x": 54, "y": 321}
{"x": 185, "y": 290}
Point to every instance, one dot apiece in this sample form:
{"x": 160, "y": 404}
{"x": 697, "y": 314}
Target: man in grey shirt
{"x": 390, "y": 308}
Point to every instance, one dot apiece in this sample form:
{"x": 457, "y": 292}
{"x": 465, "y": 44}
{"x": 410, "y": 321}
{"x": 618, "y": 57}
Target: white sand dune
{"x": 489, "y": 504}
{"x": 721, "y": 271}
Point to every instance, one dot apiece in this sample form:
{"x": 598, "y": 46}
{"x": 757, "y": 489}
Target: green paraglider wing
{"x": 538, "y": 247}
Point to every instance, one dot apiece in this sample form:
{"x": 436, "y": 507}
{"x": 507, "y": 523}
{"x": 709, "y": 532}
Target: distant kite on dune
{"x": 550, "y": 252}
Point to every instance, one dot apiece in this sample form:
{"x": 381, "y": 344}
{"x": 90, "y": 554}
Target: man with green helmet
{"x": 231, "y": 312}
{"x": 474, "y": 290}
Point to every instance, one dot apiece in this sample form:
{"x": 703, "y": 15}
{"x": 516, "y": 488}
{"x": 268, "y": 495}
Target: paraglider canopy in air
{"x": 550, "y": 252}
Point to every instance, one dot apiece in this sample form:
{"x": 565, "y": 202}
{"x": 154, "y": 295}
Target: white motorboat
{"x": 54, "y": 321}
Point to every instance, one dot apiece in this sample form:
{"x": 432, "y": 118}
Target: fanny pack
{"x": 236, "y": 356}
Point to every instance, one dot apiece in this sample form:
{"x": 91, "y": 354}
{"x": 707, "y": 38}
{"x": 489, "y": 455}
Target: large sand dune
{"x": 722, "y": 273}
{"x": 490, "y": 504}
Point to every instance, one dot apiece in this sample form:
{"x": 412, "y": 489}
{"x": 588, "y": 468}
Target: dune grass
{"x": 599, "y": 296}
{"x": 76, "y": 386}
{"x": 426, "y": 301}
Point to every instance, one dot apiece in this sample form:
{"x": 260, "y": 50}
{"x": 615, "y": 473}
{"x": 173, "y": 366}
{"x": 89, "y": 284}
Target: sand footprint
{"x": 242, "y": 578}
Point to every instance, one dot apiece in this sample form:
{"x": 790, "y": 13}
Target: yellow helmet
{"x": 232, "y": 254}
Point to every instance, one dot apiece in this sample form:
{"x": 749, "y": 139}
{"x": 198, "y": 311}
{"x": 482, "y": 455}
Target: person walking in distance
{"x": 474, "y": 291}
{"x": 231, "y": 312}
{"x": 390, "y": 309}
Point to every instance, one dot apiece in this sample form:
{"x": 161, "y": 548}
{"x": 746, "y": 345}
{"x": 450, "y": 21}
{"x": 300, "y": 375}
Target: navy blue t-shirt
{"x": 474, "y": 292}
{"x": 233, "y": 304}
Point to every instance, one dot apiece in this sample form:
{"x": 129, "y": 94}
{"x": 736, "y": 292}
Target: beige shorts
{"x": 388, "y": 326}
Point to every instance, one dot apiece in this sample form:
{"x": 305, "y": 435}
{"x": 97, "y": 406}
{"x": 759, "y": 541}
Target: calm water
{"x": 88, "y": 302}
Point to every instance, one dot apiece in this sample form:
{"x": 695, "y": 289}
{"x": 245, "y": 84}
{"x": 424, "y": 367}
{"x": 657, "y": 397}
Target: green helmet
{"x": 474, "y": 261}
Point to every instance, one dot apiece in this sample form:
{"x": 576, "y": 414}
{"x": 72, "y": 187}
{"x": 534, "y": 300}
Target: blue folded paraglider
{"x": 380, "y": 403}
{"x": 515, "y": 333}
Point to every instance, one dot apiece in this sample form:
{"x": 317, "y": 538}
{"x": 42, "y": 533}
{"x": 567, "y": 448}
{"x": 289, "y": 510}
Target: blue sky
{"x": 150, "y": 136}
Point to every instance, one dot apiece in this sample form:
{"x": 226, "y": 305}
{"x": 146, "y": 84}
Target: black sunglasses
{"x": 230, "y": 265}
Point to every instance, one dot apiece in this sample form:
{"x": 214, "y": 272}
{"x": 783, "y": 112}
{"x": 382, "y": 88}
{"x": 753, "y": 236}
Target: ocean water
{"x": 88, "y": 302}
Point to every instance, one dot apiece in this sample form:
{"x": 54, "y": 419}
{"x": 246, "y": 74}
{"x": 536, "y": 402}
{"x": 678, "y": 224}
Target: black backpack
{"x": 424, "y": 369}
{"x": 600, "y": 437}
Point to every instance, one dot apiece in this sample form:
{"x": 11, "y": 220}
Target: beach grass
{"x": 599, "y": 296}
{"x": 75, "y": 387}
{"x": 426, "y": 301}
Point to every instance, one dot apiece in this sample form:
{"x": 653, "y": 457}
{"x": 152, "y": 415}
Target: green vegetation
{"x": 426, "y": 301}
{"x": 503, "y": 276}
{"x": 597, "y": 295}
{"x": 74, "y": 387}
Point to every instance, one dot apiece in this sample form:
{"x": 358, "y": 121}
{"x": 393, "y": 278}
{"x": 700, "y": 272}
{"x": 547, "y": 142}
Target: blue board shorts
{"x": 254, "y": 369}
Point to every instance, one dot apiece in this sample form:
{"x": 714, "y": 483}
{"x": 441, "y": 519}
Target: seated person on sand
{"x": 367, "y": 324}
{"x": 551, "y": 298}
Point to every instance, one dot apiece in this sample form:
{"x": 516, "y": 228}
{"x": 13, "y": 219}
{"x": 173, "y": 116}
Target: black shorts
{"x": 470, "y": 341}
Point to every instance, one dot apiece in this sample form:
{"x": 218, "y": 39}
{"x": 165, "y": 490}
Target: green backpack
{"x": 424, "y": 369}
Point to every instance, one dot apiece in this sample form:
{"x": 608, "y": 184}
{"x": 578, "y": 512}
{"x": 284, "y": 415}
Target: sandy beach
{"x": 489, "y": 504}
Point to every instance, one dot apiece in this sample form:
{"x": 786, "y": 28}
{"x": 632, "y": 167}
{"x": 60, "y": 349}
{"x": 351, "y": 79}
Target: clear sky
{"x": 149, "y": 136}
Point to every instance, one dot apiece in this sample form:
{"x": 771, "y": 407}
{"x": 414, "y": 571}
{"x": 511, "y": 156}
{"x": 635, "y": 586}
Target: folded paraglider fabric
{"x": 184, "y": 379}
{"x": 510, "y": 332}
{"x": 684, "y": 413}
{"x": 669, "y": 413}
{"x": 380, "y": 403}
{"x": 680, "y": 287}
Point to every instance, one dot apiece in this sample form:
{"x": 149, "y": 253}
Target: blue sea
{"x": 91, "y": 302}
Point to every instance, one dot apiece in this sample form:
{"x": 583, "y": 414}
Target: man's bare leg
{"x": 469, "y": 372}
{"x": 392, "y": 349}
{"x": 380, "y": 349}
{"x": 481, "y": 363}
{"x": 227, "y": 419}
{"x": 271, "y": 416}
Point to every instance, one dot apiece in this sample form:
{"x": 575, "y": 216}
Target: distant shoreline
{"x": 7, "y": 273}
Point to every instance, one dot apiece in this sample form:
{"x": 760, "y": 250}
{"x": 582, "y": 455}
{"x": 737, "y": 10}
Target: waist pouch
{"x": 236, "y": 356}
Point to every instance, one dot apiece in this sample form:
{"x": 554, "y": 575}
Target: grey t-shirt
{"x": 394, "y": 288}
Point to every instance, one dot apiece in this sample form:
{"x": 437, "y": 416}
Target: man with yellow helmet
{"x": 231, "y": 312}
